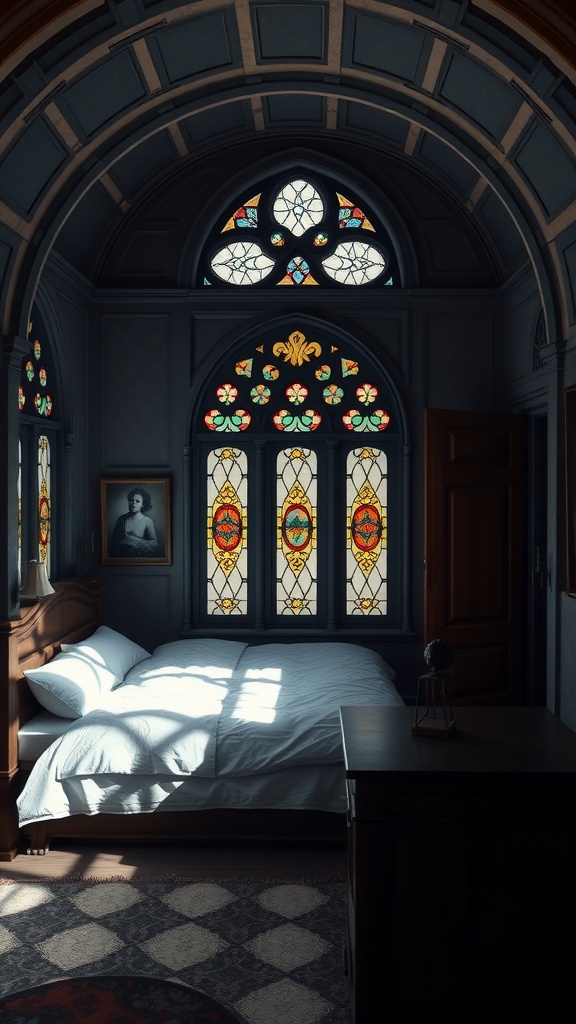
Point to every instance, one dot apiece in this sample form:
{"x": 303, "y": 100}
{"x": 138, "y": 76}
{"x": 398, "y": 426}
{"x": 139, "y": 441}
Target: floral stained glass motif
{"x": 260, "y": 395}
{"x": 297, "y": 394}
{"x": 227, "y": 495}
{"x": 296, "y": 495}
{"x": 305, "y": 421}
{"x": 291, "y": 234}
{"x": 366, "y": 531}
{"x": 227, "y": 394}
{"x": 333, "y": 395}
{"x": 237, "y": 421}
{"x": 33, "y": 394}
{"x": 366, "y": 393}
{"x": 271, "y": 386}
{"x": 44, "y": 499}
{"x": 355, "y": 420}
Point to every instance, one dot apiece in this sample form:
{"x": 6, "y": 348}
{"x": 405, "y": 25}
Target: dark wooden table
{"x": 461, "y": 865}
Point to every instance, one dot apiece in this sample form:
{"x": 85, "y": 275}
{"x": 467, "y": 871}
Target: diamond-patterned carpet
{"x": 272, "y": 953}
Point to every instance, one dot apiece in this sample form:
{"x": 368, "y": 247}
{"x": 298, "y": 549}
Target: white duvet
{"x": 216, "y": 710}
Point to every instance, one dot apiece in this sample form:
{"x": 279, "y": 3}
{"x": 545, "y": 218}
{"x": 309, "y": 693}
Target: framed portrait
{"x": 135, "y": 515}
{"x": 570, "y": 413}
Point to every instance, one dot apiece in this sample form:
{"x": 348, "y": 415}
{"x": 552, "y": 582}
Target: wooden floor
{"x": 205, "y": 862}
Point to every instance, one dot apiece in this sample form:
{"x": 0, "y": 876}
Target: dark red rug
{"x": 113, "y": 1000}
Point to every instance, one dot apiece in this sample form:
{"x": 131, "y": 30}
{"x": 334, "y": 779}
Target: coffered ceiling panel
{"x": 199, "y": 46}
{"x": 290, "y": 32}
{"x": 104, "y": 93}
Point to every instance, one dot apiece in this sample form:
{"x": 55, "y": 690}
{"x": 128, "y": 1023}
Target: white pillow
{"x": 110, "y": 649}
{"x": 70, "y": 686}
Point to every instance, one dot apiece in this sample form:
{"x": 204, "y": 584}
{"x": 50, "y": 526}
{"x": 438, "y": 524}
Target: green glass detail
{"x": 333, "y": 395}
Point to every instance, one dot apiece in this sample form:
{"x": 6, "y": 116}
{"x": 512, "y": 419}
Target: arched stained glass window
{"x": 299, "y": 457}
{"x": 299, "y": 231}
{"x": 39, "y": 431}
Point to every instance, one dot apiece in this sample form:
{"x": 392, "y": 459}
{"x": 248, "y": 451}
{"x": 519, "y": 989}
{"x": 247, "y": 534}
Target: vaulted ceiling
{"x": 120, "y": 120}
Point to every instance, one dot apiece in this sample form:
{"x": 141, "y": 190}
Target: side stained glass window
{"x": 44, "y": 498}
{"x": 19, "y": 493}
{"x": 38, "y": 450}
{"x": 300, "y": 231}
{"x": 36, "y": 392}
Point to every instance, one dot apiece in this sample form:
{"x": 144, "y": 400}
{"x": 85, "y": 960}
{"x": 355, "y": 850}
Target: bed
{"x": 199, "y": 738}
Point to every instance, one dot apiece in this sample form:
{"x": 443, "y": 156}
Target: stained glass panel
{"x": 296, "y": 563}
{"x": 242, "y": 263}
{"x": 366, "y": 532}
{"x": 298, "y": 206}
{"x": 355, "y": 263}
{"x": 44, "y": 500}
{"x": 19, "y": 492}
{"x": 36, "y": 381}
{"x": 281, "y": 234}
{"x": 227, "y": 536}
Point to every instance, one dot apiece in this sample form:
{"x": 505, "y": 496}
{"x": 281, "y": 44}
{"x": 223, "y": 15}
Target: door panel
{"x": 474, "y": 550}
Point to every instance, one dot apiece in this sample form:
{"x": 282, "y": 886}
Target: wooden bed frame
{"x": 72, "y": 613}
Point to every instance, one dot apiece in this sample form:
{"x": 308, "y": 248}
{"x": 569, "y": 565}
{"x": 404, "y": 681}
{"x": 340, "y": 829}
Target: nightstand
{"x": 461, "y": 864}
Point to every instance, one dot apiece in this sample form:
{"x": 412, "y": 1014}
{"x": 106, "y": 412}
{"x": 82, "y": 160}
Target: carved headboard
{"x": 70, "y": 614}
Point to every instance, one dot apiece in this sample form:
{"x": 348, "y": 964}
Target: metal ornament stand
{"x": 433, "y": 714}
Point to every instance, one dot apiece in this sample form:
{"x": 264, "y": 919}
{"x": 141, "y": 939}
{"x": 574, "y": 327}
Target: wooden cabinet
{"x": 461, "y": 860}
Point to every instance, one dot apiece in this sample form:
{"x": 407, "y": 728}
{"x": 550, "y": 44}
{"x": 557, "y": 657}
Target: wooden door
{"x": 474, "y": 550}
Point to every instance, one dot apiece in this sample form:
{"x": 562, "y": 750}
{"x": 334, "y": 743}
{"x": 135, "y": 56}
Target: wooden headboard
{"x": 72, "y": 613}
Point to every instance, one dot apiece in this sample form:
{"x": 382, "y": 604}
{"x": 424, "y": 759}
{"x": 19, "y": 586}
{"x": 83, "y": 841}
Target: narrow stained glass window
{"x": 296, "y": 569}
{"x": 20, "y": 512}
{"x": 44, "y": 499}
{"x": 227, "y": 586}
{"x": 366, "y": 531}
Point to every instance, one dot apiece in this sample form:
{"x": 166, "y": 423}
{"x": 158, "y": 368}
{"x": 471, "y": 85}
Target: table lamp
{"x": 36, "y": 584}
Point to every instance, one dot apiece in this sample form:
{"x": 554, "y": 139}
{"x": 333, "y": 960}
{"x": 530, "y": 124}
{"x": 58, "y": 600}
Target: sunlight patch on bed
{"x": 258, "y": 696}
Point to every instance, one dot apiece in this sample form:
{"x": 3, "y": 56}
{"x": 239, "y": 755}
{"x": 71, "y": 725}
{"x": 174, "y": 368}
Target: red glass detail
{"x": 44, "y": 510}
{"x": 366, "y": 527}
{"x": 227, "y": 527}
{"x": 296, "y": 527}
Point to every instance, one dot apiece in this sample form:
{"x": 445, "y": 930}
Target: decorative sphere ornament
{"x": 439, "y": 655}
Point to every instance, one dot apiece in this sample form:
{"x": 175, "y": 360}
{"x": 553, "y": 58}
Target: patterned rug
{"x": 101, "y": 1000}
{"x": 271, "y": 953}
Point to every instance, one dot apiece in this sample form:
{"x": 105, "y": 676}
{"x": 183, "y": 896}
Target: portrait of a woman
{"x": 134, "y": 535}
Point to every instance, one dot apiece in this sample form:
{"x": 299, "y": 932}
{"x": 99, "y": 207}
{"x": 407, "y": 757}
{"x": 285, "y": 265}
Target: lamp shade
{"x": 36, "y": 583}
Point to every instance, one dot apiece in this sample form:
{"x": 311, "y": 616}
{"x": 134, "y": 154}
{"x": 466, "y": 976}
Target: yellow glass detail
{"x": 297, "y": 350}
